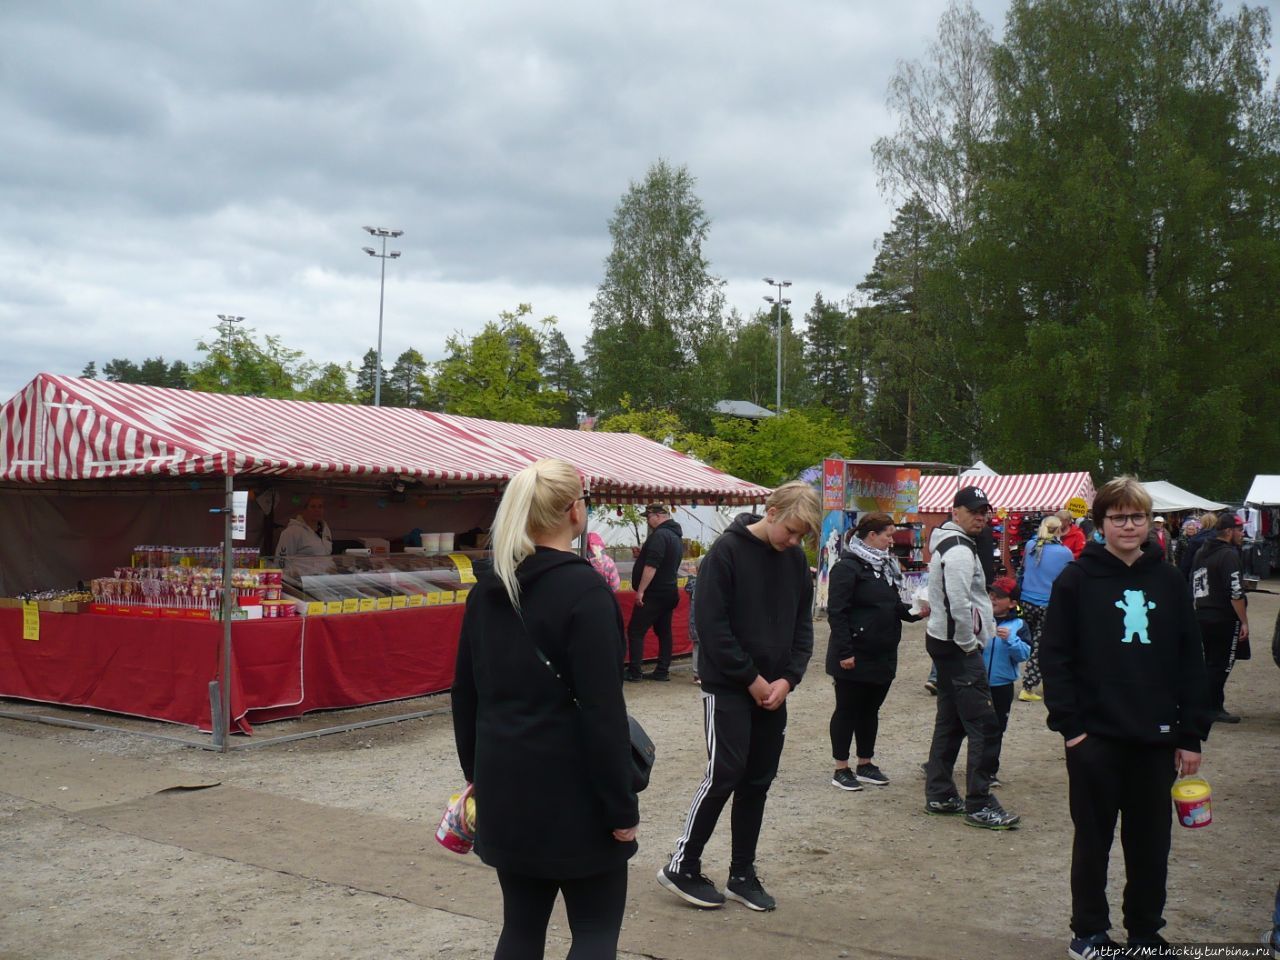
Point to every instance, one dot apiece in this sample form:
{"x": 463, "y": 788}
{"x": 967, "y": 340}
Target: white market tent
{"x": 1167, "y": 497}
{"x": 1265, "y": 491}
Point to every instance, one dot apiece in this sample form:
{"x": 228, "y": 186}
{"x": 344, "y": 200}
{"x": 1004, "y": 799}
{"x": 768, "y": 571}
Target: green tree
{"x": 562, "y": 372}
{"x": 774, "y": 450}
{"x": 1126, "y": 241}
{"x": 409, "y": 382}
{"x": 497, "y": 374}
{"x": 151, "y": 372}
{"x": 330, "y": 383}
{"x": 658, "y": 309}
{"x": 237, "y": 363}
{"x": 90, "y": 371}
{"x": 661, "y": 426}
{"x": 366, "y": 376}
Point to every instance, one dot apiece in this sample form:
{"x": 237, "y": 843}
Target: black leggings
{"x": 594, "y": 904}
{"x": 857, "y": 716}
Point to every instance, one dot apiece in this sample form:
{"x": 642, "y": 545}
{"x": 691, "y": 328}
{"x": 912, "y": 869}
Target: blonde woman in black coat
{"x": 866, "y": 613}
{"x": 550, "y": 758}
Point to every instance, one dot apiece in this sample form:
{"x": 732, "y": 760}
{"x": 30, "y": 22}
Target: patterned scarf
{"x": 882, "y": 561}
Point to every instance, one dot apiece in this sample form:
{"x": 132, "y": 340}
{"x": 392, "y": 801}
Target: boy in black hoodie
{"x": 1124, "y": 683}
{"x": 755, "y": 629}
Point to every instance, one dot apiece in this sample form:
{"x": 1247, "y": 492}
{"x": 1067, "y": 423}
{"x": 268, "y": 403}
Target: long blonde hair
{"x": 533, "y": 504}
{"x": 1050, "y": 532}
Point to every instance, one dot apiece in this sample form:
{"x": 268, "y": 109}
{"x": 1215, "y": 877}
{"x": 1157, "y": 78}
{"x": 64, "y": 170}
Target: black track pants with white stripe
{"x": 744, "y": 744}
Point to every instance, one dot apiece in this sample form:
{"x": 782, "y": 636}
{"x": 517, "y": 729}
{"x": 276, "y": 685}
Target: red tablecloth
{"x": 161, "y": 669}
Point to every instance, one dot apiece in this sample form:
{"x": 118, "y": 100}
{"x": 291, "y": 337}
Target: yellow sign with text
{"x": 367, "y": 604}
{"x": 415, "y": 600}
{"x": 315, "y": 608}
{"x": 398, "y": 601}
{"x": 30, "y": 620}
{"x": 433, "y": 599}
{"x": 465, "y": 573}
{"x": 333, "y": 606}
{"x": 351, "y": 605}
{"x": 384, "y": 603}
{"x": 1078, "y": 507}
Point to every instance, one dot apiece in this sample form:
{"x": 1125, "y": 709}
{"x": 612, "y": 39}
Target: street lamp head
{"x": 768, "y": 299}
{"x": 382, "y": 232}
{"x": 370, "y": 251}
{"x": 770, "y": 281}
{"x": 785, "y": 283}
{"x": 229, "y": 318}
{"x": 394, "y": 254}
{"x": 786, "y": 301}
{"x": 369, "y": 229}
{"x": 397, "y": 233}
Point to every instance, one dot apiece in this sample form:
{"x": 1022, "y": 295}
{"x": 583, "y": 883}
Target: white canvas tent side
{"x": 1167, "y": 497}
{"x": 1265, "y": 491}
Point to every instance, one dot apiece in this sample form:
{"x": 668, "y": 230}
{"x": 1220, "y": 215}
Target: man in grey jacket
{"x": 960, "y": 624}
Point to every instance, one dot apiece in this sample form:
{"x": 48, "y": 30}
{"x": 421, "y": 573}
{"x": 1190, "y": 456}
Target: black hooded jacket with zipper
{"x": 1121, "y": 654}
{"x": 865, "y": 613}
{"x": 552, "y": 779}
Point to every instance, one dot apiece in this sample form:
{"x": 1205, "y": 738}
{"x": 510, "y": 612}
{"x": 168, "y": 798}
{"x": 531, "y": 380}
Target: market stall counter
{"x": 159, "y": 668}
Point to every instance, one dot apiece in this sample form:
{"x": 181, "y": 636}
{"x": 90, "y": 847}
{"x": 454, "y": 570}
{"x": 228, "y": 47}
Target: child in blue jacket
{"x": 1008, "y": 648}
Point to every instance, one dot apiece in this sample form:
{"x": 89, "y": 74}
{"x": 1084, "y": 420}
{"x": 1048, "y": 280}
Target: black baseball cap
{"x": 658, "y": 510}
{"x": 1229, "y": 521}
{"x": 971, "y": 498}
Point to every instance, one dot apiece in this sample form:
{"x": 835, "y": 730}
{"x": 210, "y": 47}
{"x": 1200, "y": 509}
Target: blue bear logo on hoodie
{"x": 1135, "y": 606}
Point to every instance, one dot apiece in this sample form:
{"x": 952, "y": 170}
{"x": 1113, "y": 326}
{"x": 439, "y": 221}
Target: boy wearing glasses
{"x": 1124, "y": 683}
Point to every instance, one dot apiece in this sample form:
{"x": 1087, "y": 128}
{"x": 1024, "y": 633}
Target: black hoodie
{"x": 754, "y": 611}
{"x": 865, "y": 613}
{"x": 663, "y": 550}
{"x": 552, "y": 780}
{"x": 1121, "y": 654}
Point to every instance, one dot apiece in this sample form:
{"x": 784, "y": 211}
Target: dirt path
{"x": 323, "y": 848}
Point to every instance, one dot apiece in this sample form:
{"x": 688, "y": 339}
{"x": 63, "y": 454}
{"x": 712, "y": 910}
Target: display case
{"x": 344, "y": 576}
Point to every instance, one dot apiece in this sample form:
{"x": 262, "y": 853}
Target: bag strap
{"x": 546, "y": 662}
{"x": 941, "y": 550}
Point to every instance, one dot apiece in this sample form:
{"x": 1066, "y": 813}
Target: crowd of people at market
{"x": 1130, "y": 655}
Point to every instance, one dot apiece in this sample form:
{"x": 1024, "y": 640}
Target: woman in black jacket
{"x": 549, "y": 755}
{"x": 865, "y": 612}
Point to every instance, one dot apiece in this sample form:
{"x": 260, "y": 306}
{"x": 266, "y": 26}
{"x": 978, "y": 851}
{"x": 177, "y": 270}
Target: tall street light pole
{"x": 228, "y": 323}
{"x": 382, "y": 232}
{"x": 781, "y": 301}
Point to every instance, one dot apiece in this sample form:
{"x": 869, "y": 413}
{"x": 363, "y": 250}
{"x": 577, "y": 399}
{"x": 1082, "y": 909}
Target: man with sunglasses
{"x": 960, "y": 621}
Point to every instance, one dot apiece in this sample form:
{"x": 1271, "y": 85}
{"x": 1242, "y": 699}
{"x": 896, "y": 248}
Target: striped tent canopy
{"x": 68, "y": 428}
{"x": 1028, "y": 491}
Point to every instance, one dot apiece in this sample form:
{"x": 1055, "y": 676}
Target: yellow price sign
{"x": 398, "y": 602}
{"x": 367, "y": 604}
{"x": 465, "y": 573}
{"x": 415, "y": 600}
{"x": 681, "y": 582}
{"x": 30, "y": 620}
{"x": 351, "y": 605}
{"x": 315, "y": 609}
{"x": 383, "y": 603}
{"x": 461, "y": 595}
{"x": 433, "y": 599}
{"x": 446, "y": 596}
{"x": 333, "y": 606}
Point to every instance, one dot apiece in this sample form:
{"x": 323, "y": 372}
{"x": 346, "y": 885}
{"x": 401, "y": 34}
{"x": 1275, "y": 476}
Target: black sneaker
{"x": 948, "y": 806}
{"x": 692, "y": 888}
{"x": 748, "y": 891}
{"x": 845, "y": 780}
{"x": 657, "y": 676}
{"x": 1151, "y": 945}
{"x": 632, "y": 676}
{"x": 1224, "y": 717}
{"x": 1096, "y": 946}
{"x": 870, "y": 773}
{"x": 992, "y": 817}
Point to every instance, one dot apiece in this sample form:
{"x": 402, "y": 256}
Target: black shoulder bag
{"x": 643, "y": 752}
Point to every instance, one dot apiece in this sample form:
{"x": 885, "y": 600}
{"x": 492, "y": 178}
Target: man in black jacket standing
{"x": 1124, "y": 684}
{"x": 1221, "y": 611}
{"x": 654, "y": 580}
{"x": 755, "y": 628}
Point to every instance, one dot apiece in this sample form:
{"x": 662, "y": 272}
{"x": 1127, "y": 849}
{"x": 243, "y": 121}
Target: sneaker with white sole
{"x": 1096, "y": 946}
{"x": 845, "y": 780}
{"x": 692, "y": 888}
{"x": 951, "y": 805}
{"x": 870, "y": 773}
{"x": 992, "y": 817}
{"x": 748, "y": 891}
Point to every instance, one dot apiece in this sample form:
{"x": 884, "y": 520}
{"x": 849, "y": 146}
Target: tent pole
{"x": 228, "y": 599}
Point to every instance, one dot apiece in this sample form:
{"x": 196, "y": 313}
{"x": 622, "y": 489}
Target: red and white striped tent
{"x": 71, "y": 429}
{"x": 1018, "y": 492}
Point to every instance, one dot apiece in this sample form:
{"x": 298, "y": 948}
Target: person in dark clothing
{"x": 1125, "y": 686}
{"x": 549, "y": 752}
{"x": 1222, "y": 611}
{"x": 866, "y": 613}
{"x": 1208, "y": 523}
{"x": 654, "y": 580}
{"x": 755, "y": 629}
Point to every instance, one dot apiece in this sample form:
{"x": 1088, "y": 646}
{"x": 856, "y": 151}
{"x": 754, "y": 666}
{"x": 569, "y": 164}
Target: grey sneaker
{"x": 870, "y": 773}
{"x": 845, "y": 780}
{"x": 748, "y": 891}
{"x": 947, "y": 806}
{"x": 992, "y": 817}
{"x": 692, "y": 888}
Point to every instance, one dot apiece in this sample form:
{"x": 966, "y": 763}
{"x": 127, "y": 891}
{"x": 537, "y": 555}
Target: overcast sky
{"x": 162, "y": 162}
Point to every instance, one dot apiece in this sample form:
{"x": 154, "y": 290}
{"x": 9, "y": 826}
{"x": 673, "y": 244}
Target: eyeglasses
{"x": 1128, "y": 519}
{"x": 582, "y": 498}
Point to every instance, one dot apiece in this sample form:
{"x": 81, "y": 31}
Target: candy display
{"x": 198, "y": 588}
{"x": 167, "y": 556}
